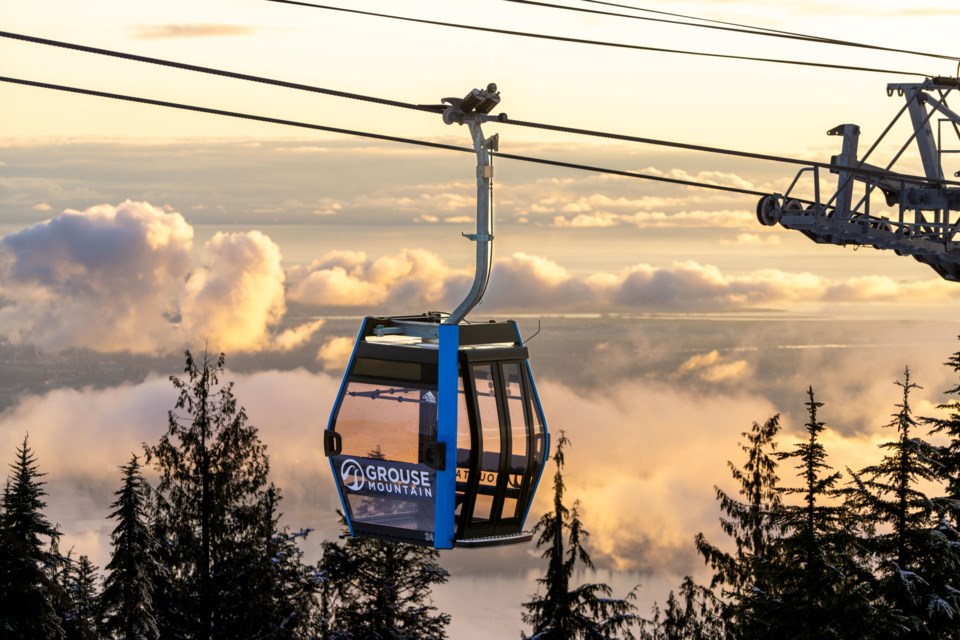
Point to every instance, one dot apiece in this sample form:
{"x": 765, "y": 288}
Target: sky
{"x": 669, "y": 317}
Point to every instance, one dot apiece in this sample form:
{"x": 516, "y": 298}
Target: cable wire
{"x": 732, "y": 26}
{"x": 730, "y": 152}
{"x": 387, "y": 102}
{"x": 601, "y": 43}
{"x": 668, "y": 143}
{"x": 418, "y": 107}
{"x": 631, "y": 174}
{"x": 232, "y": 114}
{"x": 211, "y": 71}
{"x": 365, "y": 134}
{"x": 680, "y": 15}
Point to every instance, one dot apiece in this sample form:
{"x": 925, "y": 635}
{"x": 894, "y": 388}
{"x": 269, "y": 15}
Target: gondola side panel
{"x": 381, "y": 439}
{"x": 331, "y": 438}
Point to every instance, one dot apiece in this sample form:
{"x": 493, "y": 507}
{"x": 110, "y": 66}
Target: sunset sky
{"x": 671, "y": 319}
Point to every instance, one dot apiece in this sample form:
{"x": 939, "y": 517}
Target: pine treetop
{"x": 23, "y": 504}
{"x": 564, "y": 612}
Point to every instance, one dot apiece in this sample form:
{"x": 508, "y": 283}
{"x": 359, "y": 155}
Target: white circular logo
{"x": 352, "y": 475}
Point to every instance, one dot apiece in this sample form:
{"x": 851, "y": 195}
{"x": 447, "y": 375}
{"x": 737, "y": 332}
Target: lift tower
{"x": 924, "y": 216}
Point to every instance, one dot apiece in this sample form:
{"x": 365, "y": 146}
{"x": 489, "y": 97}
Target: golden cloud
{"x": 335, "y": 353}
{"x": 754, "y": 239}
{"x": 127, "y": 278}
{"x": 296, "y": 337}
{"x": 411, "y": 277}
{"x": 713, "y": 367}
{"x": 239, "y": 295}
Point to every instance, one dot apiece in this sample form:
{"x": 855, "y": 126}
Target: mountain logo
{"x": 352, "y": 475}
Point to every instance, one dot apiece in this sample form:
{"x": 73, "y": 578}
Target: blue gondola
{"x": 437, "y": 441}
{"x": 437, "y": 436}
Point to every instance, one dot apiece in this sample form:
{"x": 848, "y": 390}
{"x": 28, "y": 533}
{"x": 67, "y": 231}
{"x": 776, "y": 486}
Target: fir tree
{"x": 328, "y": 597}
{"x": 697, "y": 615}
{"x": 566, "y": 612}
{"x": 745, "y": 574}
{"x": 823, "y": 589}
{"x": 127, "y": 600}
{"x": 271, "y": 579}
{"x": 293, "y": 608}
{"x": 380, "y": 591}
{"x": 916, "y": 562}
{"x": 59, "y": 572}
{"x": 83, "y": 613}
{"x": 948, "y": 506}
{"x": 28, "y": 596}
{"x": 949, "y": 454}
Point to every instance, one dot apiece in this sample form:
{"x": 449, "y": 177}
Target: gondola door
{"x": 508, "y": 444}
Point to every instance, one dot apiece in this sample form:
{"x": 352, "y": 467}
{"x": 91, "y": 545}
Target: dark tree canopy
{"x": 23, "y": 505}
{"x": 745, "y": 575}
{"x": 83, "y": 598}
{"x": 949, "y": 454}
{"x": 750, "y": 520}
{"x": 381, "y": 591}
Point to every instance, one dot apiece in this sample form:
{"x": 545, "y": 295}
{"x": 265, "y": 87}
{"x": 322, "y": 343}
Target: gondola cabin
{"x": 437, "y": 436}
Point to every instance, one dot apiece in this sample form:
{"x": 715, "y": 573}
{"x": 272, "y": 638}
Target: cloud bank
{"x": 418, "y": 279}
{"x": 130, "y": 278}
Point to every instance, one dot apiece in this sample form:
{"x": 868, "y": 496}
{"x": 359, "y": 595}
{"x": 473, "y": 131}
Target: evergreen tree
{"x": 28, "y": 595}
{"x": 169, "y": 608}
{"x": 698, "y": 616}
{"x": 823, "y": 589}
{"x": 214, "y": 514}
{"x": 127, "y": 600}
{"x": 565, "y": 612}
{"x": 83, "y": 612}
{"x": 60, "y": 572}
{"x": 293, "y": 609}
{"x": 912, "y": 549}
{"x": 327, "y": 600}
{"x": 948, "y": 455}
{"x": 948, "y": 506}
{"x": 272, "y": 581}
{"x": 380, "y": 591}
{"x": 745, "y": 574}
